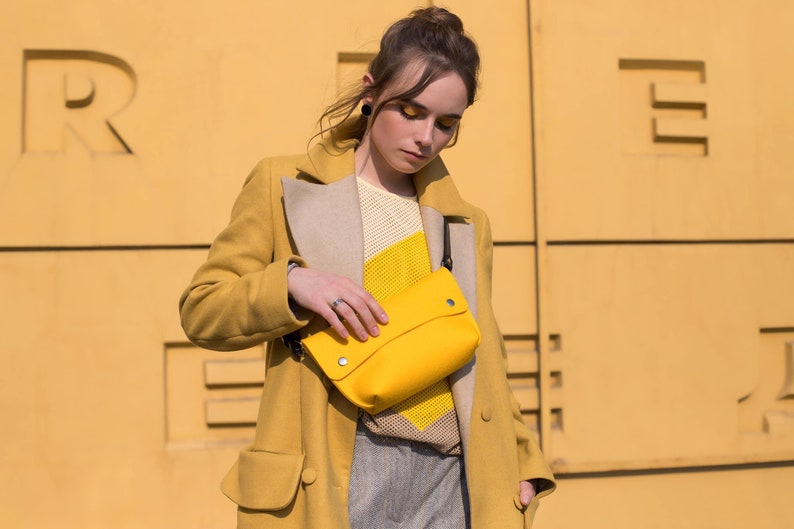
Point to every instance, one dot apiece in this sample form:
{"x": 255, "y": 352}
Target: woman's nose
{"x": 424, "y": 133}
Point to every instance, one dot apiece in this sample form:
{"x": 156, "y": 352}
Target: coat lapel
{"x": 325, "y": 223}
{"x": 462, "y": 246}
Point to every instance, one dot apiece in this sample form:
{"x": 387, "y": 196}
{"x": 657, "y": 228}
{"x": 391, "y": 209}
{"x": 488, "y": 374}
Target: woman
{"x": 359, "y": 219}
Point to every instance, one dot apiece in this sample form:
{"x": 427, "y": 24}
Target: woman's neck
{"x": 373, "y": 169}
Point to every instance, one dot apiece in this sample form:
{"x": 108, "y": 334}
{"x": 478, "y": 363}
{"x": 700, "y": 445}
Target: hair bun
{"x": 440, "y": 17}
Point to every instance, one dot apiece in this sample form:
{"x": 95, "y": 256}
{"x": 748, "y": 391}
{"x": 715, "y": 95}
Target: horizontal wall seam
{"x": 646, "y": 242}
{"x": 687, "y": 469}
{"x": 110, "y": 248}
{"x": 206, "y": 246}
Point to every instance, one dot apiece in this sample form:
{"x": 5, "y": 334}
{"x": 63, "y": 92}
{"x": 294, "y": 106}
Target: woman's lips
{"x": 415, "y": 156}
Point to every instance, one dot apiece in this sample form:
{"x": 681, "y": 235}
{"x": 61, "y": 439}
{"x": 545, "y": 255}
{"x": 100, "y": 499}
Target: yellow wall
{"x": 635, "y": 159}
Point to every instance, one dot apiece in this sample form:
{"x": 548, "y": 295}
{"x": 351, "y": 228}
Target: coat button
{"x": 486, "y": 414}
{"x": 517, "y": 502}
{"x": 308, "y": 476}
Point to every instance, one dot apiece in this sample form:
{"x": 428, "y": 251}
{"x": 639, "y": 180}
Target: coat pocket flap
{"x": 265, "y": 481}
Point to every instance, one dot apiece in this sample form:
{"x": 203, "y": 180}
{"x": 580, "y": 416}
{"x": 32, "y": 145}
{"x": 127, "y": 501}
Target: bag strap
{"x": 446, "y": 261}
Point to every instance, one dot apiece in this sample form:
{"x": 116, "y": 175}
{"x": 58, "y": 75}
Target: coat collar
{"x": 328, "y": 162}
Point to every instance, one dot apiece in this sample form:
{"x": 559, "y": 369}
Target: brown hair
{"x": 431, "y": 40}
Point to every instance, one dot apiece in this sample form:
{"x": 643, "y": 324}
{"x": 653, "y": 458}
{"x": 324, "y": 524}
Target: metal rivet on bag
{"x": 342, "y": 361}
{"x": 451, "y": 302}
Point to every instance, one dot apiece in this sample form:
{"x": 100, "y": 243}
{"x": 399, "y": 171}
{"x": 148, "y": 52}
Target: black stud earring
{"x": 366, "y": 110}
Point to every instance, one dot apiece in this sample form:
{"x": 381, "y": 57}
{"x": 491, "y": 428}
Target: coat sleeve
{"x": 238, "y": 298}
{"x": 531, "y": 462}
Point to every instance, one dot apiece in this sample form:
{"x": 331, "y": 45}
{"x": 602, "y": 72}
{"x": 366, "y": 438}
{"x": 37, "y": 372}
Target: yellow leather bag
{"x": 430, "y": 335}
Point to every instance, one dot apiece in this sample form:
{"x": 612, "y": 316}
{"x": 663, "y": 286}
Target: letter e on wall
{"x": 664, "y": 107}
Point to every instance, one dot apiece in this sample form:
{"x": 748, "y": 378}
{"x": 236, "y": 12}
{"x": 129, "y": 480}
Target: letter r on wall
{"x": 72, "y": 95}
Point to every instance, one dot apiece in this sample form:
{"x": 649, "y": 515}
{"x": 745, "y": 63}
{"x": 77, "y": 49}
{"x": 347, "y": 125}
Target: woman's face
{"x": 408, "y": 134}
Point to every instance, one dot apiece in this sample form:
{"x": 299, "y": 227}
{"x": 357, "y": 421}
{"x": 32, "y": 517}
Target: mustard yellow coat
{"x": 296, "y": 473}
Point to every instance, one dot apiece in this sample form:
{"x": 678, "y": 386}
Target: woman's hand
{"x": 337, "y": 299}
{"x": 526, "y": 491}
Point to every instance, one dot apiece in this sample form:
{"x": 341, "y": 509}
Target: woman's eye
{"x": 409, "y": 111}
{"x": 446, "y": 124}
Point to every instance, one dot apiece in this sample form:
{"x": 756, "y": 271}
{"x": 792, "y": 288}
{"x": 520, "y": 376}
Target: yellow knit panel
{"x": 397, "y": 267}
{"x": 386, "y": 273}
{"x": 427, "y": 406}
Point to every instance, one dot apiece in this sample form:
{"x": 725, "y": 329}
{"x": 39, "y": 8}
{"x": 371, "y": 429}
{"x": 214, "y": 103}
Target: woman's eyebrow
{"x": 416, "y": 104}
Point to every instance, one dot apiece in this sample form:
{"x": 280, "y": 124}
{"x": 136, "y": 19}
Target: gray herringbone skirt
{"x": 398, "y": 484}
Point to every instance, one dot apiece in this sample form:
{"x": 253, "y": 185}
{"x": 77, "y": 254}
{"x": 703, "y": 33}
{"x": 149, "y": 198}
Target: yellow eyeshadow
{"x": 409, "y": 110}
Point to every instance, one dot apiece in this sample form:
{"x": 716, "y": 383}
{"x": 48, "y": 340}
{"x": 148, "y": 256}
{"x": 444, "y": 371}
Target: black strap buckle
{"x": 293, "y": 341}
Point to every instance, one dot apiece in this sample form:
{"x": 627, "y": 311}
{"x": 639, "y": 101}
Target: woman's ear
{"x": 366, "y": 82}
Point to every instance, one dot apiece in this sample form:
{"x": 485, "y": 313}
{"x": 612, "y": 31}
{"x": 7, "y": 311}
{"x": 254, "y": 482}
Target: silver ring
{"x": 337, "y": 302}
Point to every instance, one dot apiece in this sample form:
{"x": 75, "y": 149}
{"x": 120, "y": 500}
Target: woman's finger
{"x": 338, "y": 300}
{"x": 329, "y": 314}
{"x": 363, "y": 314}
